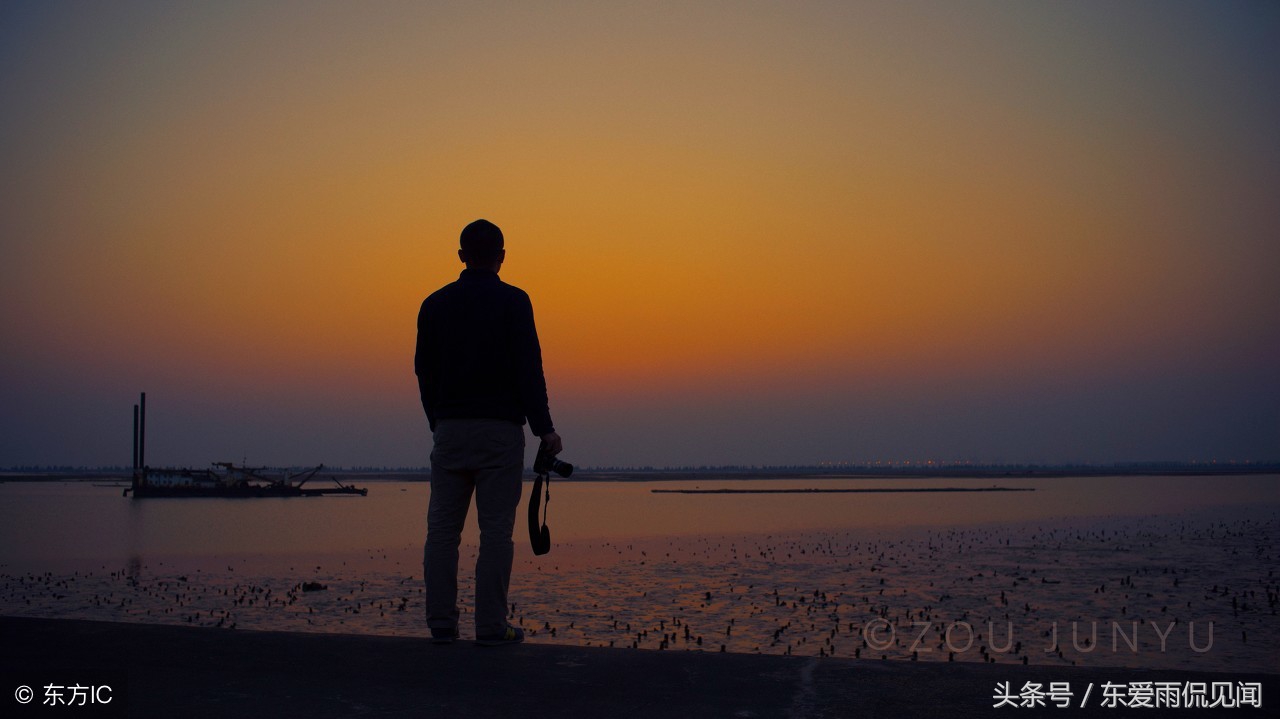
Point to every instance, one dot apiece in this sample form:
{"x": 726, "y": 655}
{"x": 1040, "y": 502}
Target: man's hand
{"x": 552, "y": 442}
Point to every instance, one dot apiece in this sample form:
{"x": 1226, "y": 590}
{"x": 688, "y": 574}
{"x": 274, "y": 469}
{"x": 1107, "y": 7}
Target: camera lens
{"x": 545, "y": 463}
{"x": 564, "y": 469}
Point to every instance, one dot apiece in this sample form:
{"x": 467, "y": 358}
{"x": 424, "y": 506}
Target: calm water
{"x": 1179, "y": 561}
{"x": 46, "y": 526}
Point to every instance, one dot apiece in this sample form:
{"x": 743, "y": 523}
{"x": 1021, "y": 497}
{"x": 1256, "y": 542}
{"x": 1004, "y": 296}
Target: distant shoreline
{"x": 752, "y": 473}
{"x": 868, "y": 490}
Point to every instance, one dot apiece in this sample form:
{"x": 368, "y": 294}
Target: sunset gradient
{"x": 754, "y": 233}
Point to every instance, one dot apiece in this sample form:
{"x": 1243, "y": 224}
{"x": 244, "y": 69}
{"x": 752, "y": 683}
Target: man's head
{"x": 481, "y": 246}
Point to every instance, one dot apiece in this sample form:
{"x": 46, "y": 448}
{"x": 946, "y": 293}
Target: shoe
{"x": 512, "y": 635}
{"x": 444, "y": 636}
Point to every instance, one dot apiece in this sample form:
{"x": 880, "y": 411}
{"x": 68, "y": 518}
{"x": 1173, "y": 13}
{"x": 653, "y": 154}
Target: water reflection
{"x": 630, "y": 568}
{"x": 75, "y": 521}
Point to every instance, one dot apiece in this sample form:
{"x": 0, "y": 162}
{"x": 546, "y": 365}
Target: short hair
{"x": 481, "y": 242}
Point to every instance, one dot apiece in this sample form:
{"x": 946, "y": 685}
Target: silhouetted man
{"x": 479, "y": 370}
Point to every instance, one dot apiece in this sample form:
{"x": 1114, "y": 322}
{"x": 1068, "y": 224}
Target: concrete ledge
{"x": 186, "y": 672}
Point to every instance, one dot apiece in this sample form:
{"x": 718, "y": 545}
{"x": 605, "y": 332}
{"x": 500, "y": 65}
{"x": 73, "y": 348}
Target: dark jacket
{"x": 478, "y": 354}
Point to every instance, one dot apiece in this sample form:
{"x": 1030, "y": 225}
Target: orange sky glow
{"x": 716, "y": 211}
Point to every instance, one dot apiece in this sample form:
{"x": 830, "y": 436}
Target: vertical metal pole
{"x": 142, "y": 436}
{"x": 135, "y": 439}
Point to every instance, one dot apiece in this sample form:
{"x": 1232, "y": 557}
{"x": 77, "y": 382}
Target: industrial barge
{"x": 225, "y": 479}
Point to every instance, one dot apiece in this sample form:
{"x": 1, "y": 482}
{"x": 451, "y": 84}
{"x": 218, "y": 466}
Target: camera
{"x": 546, "y": 463}
{"x": 543, "y": 465}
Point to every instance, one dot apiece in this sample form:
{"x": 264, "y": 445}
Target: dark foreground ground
{"x": 166, "y": 671}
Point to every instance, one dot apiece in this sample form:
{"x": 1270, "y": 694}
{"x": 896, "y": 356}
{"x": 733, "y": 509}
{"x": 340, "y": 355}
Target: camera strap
{"x": 546, "y": 497}
{"x": 540, "y": 536}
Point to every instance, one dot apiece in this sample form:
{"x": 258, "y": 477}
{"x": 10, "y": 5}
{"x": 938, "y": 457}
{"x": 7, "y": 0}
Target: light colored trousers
{"x": 484, "y": 456}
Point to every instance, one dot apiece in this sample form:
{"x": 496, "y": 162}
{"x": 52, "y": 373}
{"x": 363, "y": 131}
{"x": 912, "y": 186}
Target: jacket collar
{"x": 477, "y": 275}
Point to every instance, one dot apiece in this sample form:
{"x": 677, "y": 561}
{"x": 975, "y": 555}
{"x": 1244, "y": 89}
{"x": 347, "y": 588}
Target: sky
{"x": 754, "y": 233}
